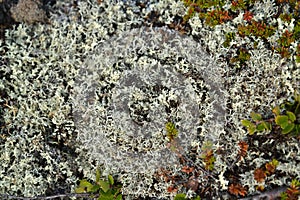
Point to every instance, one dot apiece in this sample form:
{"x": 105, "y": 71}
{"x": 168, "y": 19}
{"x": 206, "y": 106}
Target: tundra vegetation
{"x": 237, "y": 60}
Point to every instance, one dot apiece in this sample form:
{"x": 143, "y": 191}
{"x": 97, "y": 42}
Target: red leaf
{"x": 248, "y": 16}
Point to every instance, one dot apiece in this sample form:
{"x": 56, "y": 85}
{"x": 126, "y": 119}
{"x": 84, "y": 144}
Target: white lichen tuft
{"x": 131, "y": 86}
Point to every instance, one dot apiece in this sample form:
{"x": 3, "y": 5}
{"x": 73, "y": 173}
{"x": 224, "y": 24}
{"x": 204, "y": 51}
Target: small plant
{"x": 229, "y": 37}
{"x": 248, "y": 16}
{"x": 286, "y": 17}
{"x": 238, "y": 4}
{"x": 237, "y": 189}
{"x": 190, "y": 172}
{"x": 258, "y": 29}
{"x": 182, "y": 196}
{"x": 284, "y": 42}
{"x": 208, "y": 156}
{"x": 243, "y": 149}
{"x": 103, "y": 189}
{"x": 293, "y": 192}
{"x": 213, "y": 13}
{"x": 286, "y": 122}
{"x": 287, "y": 119}
{"x": 296, "y": 31}
{"x": 286, "y": 39}
{"x": 258, "y": 125}
{"x": 172, "y": 132}
{"x": 191, "y": 12}
{"x": 298, "y": 54}
{"x": 242, "y": 56}
{"x": 283, "y": 51}
{"x": 215, "y": 17}
{"x": 261, "y": 174}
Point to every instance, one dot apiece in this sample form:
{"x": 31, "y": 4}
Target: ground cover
{"x": 165, "y": 97}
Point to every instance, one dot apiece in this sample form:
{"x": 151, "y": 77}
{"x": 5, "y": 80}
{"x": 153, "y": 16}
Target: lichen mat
{"x": 136, "y": 82}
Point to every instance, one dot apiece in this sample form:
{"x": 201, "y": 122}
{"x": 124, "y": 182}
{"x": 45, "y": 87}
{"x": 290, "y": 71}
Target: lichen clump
{"x": 97, "y": 84}
{"x": 128, "y": 89}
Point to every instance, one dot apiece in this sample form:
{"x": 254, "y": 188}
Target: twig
{"x": 5, "y": 196}
{"x": 185, "y": 158}
{"x": 268, "y": 195}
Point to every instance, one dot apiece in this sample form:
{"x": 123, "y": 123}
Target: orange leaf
{"x": 248, "y": 16}
{"x": 259, "y": 175}
{"x": 243, "y": 148}
{"x": 234, "y": 3}
{"x": 237, "y": 189}
{"x": 172, "y": 189}
{"x": 187, "y": 169}
{"x": 291, "y": 192}
{"x": 270, "y": 168}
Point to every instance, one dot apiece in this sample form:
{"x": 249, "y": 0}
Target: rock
{"x": 28, "y": 11}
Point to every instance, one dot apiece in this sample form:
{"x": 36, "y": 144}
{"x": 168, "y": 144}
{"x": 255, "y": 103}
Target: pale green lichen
{"x": 40, "y": 67}
{"x": 130, "y": 87}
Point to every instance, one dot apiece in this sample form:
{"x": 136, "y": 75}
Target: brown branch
{"x": 268, "y": 195}
{"x": 86, "y": 195}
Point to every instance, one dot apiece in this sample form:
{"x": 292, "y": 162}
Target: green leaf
{"x": 251, "y": 130}
{"x": 109, "y": 195}
{"x": 297, "y": 109}
{"x": 297, "y": 129}
{"x": 119, "y": 197}
{"x": 276, "y": 110}
{"x": 288, "y": 128}
{"x": 284, "y": 196}
{"x": 266, "y": 125}
{"x": 260, "y": 127}
{"x": 106, "y": 196}
{"x": 180, "y": 196}
{"x": 246, "y": 123}
{"x": 172, "y": 132}
{"x": 104, "y": 185}
{"x": 115, "y": 190}
{"x": 281, "y": 120}
{"x": 275, "y": 162}
{"x": 251, "y": 127}
{"x": 98, "y": 175}
{"x": 80, "y": 190}
{"x": 269, "y": 125}
{"x": 284, "y": 125}
{"x": 295, "y": 183}
{"x": 86, "y": 185}
{"x": 255, "y": 116}
{"x": 110, "y": 179}
{"x": 291, "y": 116}
{"x": 95, "y": 188}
